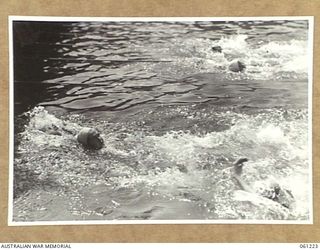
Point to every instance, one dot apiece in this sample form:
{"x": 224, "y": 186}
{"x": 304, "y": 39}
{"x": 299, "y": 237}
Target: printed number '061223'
{"x": 309, "y": 245}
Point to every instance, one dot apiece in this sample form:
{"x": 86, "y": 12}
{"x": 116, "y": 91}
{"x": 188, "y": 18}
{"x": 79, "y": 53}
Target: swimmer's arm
{"x": 242, "y": 184}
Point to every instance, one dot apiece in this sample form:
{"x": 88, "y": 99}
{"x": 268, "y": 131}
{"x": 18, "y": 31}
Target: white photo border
{"x": 11, "y": 19}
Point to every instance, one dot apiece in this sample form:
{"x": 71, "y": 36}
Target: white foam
{"x": 271, "y": 134}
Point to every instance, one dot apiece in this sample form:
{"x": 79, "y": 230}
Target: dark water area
{"x": 173, "y": 117}
{"x": 65, "y": 63}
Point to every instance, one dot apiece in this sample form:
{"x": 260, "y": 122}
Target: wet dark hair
{"x": 94, "y": 141}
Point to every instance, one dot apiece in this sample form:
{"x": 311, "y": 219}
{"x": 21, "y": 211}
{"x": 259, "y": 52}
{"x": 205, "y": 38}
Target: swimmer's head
{"x": 90, "y": 138}
{"x": 276, "y": 187}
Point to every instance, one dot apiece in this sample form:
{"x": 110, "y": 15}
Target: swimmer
{"x": 275, "y": 192}
{"x": 41, "y": 120}
{"x": 237, "y": 66}
{"x": 217, "y": 49}
{"x": 90, "y": 138}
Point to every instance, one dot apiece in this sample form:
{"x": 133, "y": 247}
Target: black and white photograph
{"x": 160, "y": 120}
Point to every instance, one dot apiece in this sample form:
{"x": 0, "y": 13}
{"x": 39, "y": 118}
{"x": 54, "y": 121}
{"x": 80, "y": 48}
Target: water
{"x": 173, "y": 118}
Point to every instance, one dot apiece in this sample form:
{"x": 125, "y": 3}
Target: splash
{"x": 163, "y": 171}
{"x": 272, "y": 60}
